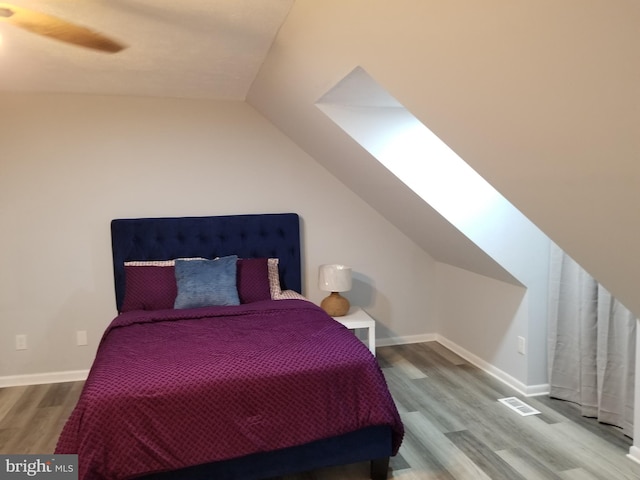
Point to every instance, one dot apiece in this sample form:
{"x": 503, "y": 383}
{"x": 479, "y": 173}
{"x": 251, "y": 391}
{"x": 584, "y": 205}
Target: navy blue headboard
{"x": 274, "y": 235}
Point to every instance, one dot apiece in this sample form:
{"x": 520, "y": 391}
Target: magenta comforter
{"x": 174, "y": 388}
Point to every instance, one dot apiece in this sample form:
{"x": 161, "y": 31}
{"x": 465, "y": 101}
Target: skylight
{"x": 413, "y": 153}
{"x": 437, "y": 174}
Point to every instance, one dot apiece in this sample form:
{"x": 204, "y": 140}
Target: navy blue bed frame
{"x": 273, "y": 235}
{"x": 248, "y": 236}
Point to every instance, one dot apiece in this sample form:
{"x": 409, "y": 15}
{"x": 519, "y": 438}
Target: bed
{"x": 252, "y": 382}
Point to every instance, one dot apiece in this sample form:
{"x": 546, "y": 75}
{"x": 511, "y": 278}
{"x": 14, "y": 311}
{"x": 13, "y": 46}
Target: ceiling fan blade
{"x": 56, "y": 28}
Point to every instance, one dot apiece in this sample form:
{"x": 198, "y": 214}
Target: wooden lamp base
{"x": 335, "y": 305}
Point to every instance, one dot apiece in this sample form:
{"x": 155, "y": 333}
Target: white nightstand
{"x": 358, "y": 318}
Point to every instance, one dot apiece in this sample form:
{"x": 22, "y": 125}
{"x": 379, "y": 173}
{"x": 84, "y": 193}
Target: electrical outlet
{"x": 21, "y": 342}
{"x": 81, "y": 337}
{"x": 522, "y": 346}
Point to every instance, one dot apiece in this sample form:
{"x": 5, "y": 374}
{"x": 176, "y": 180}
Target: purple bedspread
{"x": 174, "y": 388}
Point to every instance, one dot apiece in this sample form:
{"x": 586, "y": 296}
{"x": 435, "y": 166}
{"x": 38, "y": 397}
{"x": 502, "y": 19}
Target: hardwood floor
{"x": 455, "y": 427}
{"x": 32, "y": 417}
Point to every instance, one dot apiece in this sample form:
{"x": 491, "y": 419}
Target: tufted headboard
{"x": 274, "y": 235}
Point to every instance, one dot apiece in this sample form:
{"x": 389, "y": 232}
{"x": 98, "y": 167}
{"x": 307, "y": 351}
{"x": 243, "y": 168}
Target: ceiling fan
{"x": 54, "y": 27}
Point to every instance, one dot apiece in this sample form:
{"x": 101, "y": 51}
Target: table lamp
{"x": 335, "y": 279}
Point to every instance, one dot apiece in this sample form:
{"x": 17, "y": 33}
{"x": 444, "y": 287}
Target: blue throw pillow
{"x": 205, "y": 283}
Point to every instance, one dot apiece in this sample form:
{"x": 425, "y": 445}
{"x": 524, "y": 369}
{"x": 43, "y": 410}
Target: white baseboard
{"x": 634, "y": 454}
{"x": 521, "y": 388}
{"x": 527, "y": 390}
{"x": 518, "y": 386}
{"x": 537, "y": 390}
{"x": 41, "y": 378}
{"x": 387, "y": 342}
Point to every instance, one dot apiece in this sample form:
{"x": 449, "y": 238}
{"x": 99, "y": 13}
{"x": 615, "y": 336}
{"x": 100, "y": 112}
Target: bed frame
{"x": 248, "y": 236}
{"x": 275, "y": 235}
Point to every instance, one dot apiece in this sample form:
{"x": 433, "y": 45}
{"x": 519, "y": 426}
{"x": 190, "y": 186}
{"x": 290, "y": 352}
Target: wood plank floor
{"x": 455, "y": 427}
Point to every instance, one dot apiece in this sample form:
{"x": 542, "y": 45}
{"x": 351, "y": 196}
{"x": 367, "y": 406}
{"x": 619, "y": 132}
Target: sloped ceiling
{"x": 208, "y": 49}
{"x": 541, "y": 98}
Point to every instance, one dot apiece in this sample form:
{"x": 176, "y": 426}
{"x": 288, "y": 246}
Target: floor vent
{"x": 519, "y": 406}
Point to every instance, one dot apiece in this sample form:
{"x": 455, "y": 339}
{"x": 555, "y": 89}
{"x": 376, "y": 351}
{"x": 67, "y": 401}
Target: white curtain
{"x": 591, "y": 345}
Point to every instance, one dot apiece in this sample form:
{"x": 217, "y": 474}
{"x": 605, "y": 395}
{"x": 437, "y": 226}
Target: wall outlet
{"x": 21, "y": 342}
{"x": 522, "y": 346}
{"x": 81, "y": 337}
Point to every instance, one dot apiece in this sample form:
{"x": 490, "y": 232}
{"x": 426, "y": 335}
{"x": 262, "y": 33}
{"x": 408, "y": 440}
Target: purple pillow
{"x": 154, "y": 287}
{"x": 253, "y": 280}
{"x": 149, "y": 288}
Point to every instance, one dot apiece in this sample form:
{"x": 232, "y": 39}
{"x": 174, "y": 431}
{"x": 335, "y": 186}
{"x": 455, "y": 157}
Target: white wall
{"x": 540, "y": 98}
{"x": 70, "y": 164}
{"x": 523, "y": 250}
{"x": 405, "y": 146}
{"x": 484, "y": 316}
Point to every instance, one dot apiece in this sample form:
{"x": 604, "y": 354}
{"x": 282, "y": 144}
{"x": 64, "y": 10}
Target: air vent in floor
{"x": 519, "y": 406}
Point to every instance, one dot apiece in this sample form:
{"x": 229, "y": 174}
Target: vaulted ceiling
{"x": 541, "y": 98}
{"x": 192, "y": 49}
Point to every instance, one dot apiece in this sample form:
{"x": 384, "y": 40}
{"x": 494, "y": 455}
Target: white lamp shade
{"x": 334, "y": 278}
